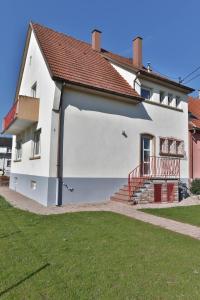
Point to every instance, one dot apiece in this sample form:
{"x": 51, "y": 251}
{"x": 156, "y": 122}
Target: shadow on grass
{"x": 24, "y": 279}
{"x": 10, "y": 234}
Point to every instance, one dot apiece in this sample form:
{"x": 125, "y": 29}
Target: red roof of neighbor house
{"x": 76, "y": 62}
{"x": 194, "y": 109}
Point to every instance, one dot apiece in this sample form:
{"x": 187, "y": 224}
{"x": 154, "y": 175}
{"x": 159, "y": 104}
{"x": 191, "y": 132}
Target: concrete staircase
{"x": 140, "y": 194}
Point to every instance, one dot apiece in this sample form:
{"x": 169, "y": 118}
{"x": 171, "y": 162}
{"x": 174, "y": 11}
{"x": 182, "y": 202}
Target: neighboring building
{"x": 194, "y": 137}
{"x": 85, "y": 117}
{"x": 5, "y": 155}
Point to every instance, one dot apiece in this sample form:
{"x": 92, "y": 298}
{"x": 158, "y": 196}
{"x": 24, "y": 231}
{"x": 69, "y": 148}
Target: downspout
{"x": 60, "y": 149}
{"x": 136, "y": 77}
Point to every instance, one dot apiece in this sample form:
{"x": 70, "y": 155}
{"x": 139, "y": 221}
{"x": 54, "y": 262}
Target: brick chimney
{"x": 96, "y": 40}
{"x": 137, "y": 52}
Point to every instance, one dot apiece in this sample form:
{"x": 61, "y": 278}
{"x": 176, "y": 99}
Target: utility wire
{"x": 189, "y": 74}
{"x": 192, "y": 78}
{"x": 174, "y": 78}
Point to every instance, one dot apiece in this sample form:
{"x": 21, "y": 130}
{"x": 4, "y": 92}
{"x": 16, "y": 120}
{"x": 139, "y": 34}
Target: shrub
{"x": 195, "y": 187}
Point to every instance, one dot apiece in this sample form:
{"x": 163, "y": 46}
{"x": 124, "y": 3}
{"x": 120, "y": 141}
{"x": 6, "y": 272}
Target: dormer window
{"x": 34, "y": 90}
{"x": 146, "y": 93}
{"x": 177, "y": 101}
{"x": 170, "y": 99}
{"x": 162, "y": 97}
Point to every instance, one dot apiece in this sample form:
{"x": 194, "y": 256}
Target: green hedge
{"x": 195, "y": 187}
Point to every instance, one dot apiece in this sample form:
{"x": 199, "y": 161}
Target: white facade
{"x": 102, "y": 135}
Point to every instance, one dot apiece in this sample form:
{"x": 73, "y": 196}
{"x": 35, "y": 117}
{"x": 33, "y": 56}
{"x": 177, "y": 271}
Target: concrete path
{"x": 24, "y": 203}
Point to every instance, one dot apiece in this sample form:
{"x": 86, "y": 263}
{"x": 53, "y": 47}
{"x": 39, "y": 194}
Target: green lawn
{"x": 93, "y": 255}
{"x": 187, "y": 214}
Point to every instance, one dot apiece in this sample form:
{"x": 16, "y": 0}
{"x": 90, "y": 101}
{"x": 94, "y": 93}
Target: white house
{"x": 83, "y": 118}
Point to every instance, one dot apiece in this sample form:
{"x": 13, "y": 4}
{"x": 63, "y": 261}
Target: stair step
{"x": 121, "y": 196}
{"x": 116, "y": 199}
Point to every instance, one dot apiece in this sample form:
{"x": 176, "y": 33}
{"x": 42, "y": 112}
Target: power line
{"x": 192, "y": 78}
{"x": 175, "y": 78}
{"x": 189, "y": 74}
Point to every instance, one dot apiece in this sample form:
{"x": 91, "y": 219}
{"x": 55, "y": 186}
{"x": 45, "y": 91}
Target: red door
{"x": 157, "y": 192}
{"x": 170, "y": 192}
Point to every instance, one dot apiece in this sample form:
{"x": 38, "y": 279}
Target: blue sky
{"x": 170, "y": 31}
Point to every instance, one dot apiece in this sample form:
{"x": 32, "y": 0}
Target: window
{"x": 8, "y": 163}
{"x": 33, "y": 184}
{"x": 180, "y": 147}
{"x": 36, "y": 143}
{"x": 162, "y": 97}
{"x": 170, "y": 99}
{"x": 146, "y": 93}
{"x": 34, "y": 90}
{"x": 18, "y": 150}
{"x": 177, "y": 101}
{"x": 163, "y": 145}
{"x": 171, "y": 147}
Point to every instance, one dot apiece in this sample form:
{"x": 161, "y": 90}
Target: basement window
{"x": 33, "y": 184}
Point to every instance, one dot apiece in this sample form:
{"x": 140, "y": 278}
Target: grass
{"x": 187, "y": 214}
{"x": 93, "y": 255}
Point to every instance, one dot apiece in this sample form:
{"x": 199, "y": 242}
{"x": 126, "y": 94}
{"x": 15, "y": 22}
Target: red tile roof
{"x": 194, "y": 109}
{"x": 128, "y": 62}
{"x": 76, "y": 62}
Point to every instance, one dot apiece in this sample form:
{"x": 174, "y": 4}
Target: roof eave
{"x": 151, "y": 76}
{"x": 127, "y": 98}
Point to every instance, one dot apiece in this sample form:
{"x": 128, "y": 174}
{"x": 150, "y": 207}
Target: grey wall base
{"x": 85, "y": 190}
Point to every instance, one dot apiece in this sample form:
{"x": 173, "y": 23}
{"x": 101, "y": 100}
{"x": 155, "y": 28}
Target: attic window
{"x": 34, "y": 90}
{"x": 146, "y": 93}
{"x": 170, "y": 99}
{"x": 177, "y": 101}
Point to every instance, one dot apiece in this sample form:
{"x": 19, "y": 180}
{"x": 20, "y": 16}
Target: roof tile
{"x": 75, "y": 61}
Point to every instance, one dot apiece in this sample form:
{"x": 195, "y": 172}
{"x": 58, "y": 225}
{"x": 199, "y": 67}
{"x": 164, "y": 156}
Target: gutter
{"x": 60, "y": 150}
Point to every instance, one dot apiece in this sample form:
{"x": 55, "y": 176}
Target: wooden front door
{"x": 170, "y": 192}
{"x": 157, "y": 192}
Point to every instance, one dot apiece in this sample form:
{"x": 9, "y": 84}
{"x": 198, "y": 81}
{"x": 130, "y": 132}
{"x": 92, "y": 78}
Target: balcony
{"x": 23, "y": 113}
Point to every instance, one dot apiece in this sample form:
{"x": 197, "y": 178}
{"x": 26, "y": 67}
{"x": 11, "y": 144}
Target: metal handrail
{"x": 158, "y": 167}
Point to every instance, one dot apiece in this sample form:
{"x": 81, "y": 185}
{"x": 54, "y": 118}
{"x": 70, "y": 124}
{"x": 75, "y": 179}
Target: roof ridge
{"x": 61, "y": 33}
{"x": 68, "y": 61}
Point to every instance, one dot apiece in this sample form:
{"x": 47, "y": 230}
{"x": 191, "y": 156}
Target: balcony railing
{"x": 23, "y": 113}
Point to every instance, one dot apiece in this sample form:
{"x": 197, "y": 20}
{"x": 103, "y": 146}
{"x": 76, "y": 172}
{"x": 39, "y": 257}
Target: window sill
{"x": 163, "y": 105}
{"x": 35, "y": 157}
{"x": 171, "y": 154}
{"x": 17, "y": 160}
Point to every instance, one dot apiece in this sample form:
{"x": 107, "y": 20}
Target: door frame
{"x": 153, "y": 145}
